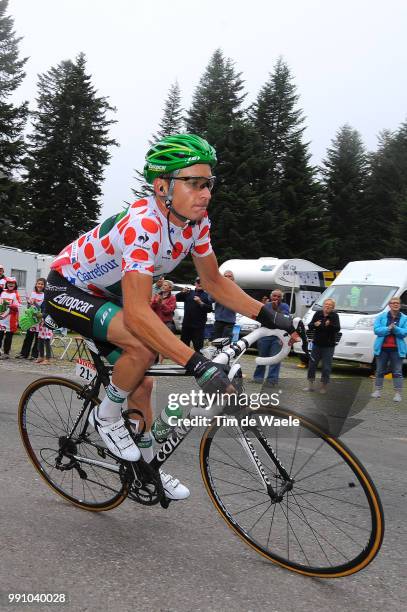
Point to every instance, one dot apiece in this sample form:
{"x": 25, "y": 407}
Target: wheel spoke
{"x": 49, "y": 413}
{"x": 302, "y": 523}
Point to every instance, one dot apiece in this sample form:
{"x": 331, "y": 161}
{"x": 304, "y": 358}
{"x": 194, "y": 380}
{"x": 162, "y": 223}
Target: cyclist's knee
{"x": 146, "y": 385}
{"x": 140, "y": 353}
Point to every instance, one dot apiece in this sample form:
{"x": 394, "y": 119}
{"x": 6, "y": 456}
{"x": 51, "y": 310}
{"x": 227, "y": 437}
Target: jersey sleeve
{"x": 202, "y": 239}
{"x": 139, "y": 241}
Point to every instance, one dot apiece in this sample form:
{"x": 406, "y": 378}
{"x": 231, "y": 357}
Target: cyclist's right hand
{"x": 210, "y": 376}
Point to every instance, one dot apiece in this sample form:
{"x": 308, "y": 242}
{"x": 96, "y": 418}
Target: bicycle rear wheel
{"x": 47, "y": 411}
{"x": 330, "y": 524}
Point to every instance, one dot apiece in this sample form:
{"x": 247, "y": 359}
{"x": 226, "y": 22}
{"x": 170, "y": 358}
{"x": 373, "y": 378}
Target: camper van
{"x": 361, "y": 291}
{"x": 301, "y": 281}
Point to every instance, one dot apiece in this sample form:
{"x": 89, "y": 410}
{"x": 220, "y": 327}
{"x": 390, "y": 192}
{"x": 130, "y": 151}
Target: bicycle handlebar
{"x": 236, "y": 348}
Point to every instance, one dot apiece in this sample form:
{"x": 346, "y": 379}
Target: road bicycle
{"x": 288, "y": 488}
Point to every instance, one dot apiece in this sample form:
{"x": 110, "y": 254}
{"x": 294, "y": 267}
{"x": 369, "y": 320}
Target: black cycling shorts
{"x": 71, "y": 307}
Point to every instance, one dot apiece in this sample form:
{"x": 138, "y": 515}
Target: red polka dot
{"x": 123, "y": 264}
{"x": 187, "y": 232}
{"x": 81, "y": 240}
{"x": 108, "y": 247}
{"x": 141, "y": 211}
{"x": 89, "y": 251}
{"x": 177, "y": 250}
{"x": 95, "y": 232}
{"x": 149, "y": 225}
{"x": 76, "y": 265}
{"x": 203, "y": 231}
{"x": 129, "y": 235}
{"x": 122, "y": 223}
{"x": 155, "y": 247}
{"x": 150, "y": 268}
{"x": 202, "y": 248}
{"x": 139, "y": 203}
{"x": 139, "y": 255}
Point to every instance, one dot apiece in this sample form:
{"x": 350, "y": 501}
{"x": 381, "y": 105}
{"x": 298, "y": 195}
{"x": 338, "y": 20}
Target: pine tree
{"x": 216, "y": 114}
{"x": 218, "y": 97}
{"x": 305, "y": 222}
{"x": 385, "y": 208}
{"x": 67, "y": 157}
{"x": 12, "y": 122}
{"x": 172, "y": 122}
{"x": 344, "y": 173}
{"x": 279, "y": 122}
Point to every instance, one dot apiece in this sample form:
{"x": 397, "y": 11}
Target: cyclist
{"x": 101, "y": 286}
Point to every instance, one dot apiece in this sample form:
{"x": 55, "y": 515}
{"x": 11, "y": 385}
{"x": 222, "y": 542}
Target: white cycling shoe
{"x": 116, "y": 437}
{"x": 173, "y": 488}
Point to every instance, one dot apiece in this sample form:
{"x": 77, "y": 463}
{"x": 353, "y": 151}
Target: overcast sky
{"x": 348, "y": 59}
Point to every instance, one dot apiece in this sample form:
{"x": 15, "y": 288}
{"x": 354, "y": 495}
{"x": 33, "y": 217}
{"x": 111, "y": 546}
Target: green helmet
{"x": 176, "y": 152}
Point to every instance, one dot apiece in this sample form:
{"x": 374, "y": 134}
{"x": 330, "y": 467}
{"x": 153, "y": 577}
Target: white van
{"x": 361, "y": 291}
{"x": 301, "y": 281}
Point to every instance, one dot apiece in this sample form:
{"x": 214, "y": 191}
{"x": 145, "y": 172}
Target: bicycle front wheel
{"x": 327, "y": 523}
{"x": 83, "y": 474}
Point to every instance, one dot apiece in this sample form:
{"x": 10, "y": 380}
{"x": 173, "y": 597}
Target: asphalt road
{"x": 185, "y": 558}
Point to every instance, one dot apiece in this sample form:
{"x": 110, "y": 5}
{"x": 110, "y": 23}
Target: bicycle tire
{"x": 47, "y": 410}
{"x": 218, "y": 471}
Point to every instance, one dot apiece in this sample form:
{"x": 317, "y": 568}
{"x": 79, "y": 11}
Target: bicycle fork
{"x": 245, "y": 442}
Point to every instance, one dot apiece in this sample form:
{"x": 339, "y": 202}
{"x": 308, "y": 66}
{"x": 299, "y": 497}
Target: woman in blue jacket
{"x": 390, "y": 347}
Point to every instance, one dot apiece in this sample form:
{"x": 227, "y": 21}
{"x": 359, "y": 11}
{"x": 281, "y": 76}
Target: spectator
{"x": 44, "y": 341}
{"x": 31, "y": 338}
{"x": 10, "y": 301}
{"x": 225, "y": 318}
{"x": 2, "y": 278}
{"x": 158, "y": 285}
{"x": 270, "y": 345}
{"x": 325, "y": 324}
{"x": 197, "y": 306}
{"x": 164, "y": 304}
{"x": 390, "y": 347}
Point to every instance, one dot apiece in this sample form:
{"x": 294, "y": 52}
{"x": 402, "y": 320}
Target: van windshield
{"x": 363, "y": 299}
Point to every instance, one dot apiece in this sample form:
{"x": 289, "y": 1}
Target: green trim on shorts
{"x": 102, "y": 319}
{"x": 114, "y": 356}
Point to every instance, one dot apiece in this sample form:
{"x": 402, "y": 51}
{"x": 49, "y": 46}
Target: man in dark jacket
{"x": 270, "y": 345}
{"x": 225, "y": 318}
{"x": 197, "y": 306}
{"x": 325, "y": 324}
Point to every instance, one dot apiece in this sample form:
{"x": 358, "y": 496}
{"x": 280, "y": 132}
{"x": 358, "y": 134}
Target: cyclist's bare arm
{"x": 223, "y": 290}
{"x": 141, "y": 320}
{"x": 227, "y": 292}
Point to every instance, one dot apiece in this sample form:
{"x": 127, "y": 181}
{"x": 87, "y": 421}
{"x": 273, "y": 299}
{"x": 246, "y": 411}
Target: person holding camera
{"x": 325, "y": 324}
{"x": 197, "y": 306}
{"x": 164, "y": 303}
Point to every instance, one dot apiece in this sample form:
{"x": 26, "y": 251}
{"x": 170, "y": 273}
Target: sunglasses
{"x": 197, "y": 183}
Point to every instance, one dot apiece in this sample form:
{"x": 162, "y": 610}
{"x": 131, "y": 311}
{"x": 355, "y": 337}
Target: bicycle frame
{"x": 229, "y": 353}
